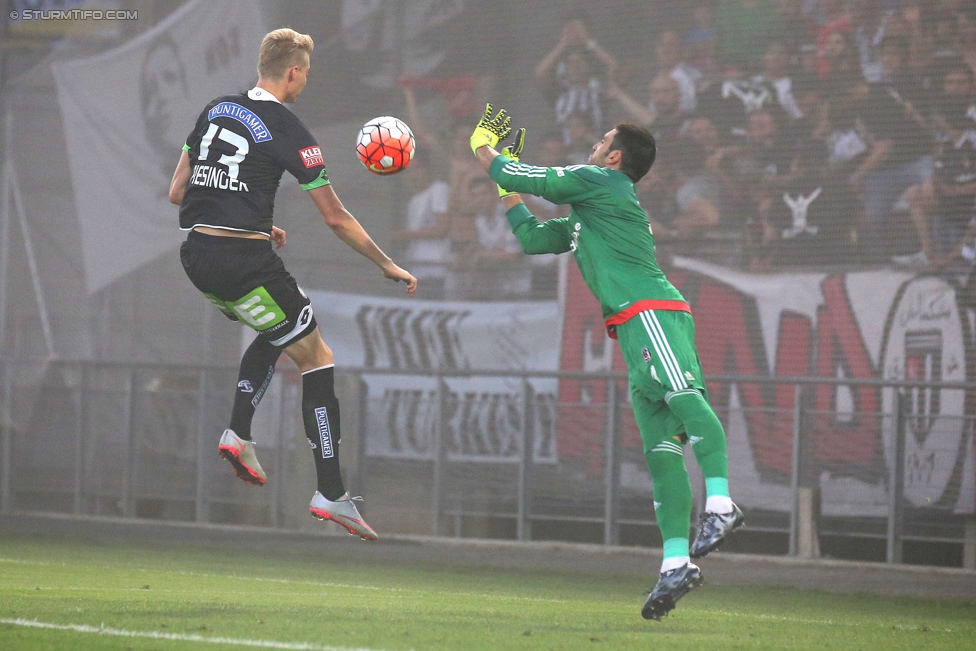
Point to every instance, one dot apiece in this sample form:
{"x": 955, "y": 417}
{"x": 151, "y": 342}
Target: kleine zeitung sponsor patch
{"x": 311, "y": 156}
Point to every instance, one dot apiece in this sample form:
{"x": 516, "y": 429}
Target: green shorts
{"x": 659, "y": 349}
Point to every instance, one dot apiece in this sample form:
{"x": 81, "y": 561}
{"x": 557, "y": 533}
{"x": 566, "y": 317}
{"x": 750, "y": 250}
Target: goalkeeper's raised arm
{"x": 560, "y": 185}
{"x": 535, "y": 237}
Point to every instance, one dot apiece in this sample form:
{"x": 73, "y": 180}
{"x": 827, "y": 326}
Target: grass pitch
{"x": 56, "y": 595}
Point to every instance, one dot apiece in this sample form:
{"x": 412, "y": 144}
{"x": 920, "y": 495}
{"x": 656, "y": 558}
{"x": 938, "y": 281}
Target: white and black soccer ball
{"x": 385, "y": 145}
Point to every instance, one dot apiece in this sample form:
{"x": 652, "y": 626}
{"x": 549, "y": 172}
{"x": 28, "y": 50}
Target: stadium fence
{"x": 139, "y": 441}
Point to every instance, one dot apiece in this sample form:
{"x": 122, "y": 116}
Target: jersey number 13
{"x": 231, "y": 138}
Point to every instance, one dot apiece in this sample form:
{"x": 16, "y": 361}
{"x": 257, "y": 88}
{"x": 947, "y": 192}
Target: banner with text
{"x": 482, "y": 416}
{"x": 859, "y": 325}
{"x": 127, "y": 113}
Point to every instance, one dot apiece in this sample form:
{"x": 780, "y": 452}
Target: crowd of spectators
{"x": 794, "y": 132}
{"x": 455, "y": 237}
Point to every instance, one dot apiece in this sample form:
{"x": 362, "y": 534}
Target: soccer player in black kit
{"x": 225, "y": 185}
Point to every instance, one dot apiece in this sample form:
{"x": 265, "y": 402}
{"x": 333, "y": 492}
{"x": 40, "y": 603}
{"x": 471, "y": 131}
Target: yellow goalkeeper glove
{"x": 490, "y": 129}
{"x": 513, "y": 151}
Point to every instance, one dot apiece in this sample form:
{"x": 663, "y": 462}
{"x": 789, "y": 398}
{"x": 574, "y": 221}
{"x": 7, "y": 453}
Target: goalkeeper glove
{"x": 490, "y": 129}
{"x": 513, "y": 151}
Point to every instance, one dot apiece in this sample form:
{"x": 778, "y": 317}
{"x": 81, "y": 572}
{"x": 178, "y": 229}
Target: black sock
{"x": 257, "y": 368}
{"x": 320, "y": 411}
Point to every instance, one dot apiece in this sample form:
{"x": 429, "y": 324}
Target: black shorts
{"x": 248, "y": 282}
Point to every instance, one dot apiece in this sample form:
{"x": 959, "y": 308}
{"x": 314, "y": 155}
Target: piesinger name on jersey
{"x": 214, "y": 177}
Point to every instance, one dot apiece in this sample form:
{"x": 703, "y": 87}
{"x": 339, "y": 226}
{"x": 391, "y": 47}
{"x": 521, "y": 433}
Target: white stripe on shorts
{"x": 663, "y": 350}
{"x": 667, "y": 344}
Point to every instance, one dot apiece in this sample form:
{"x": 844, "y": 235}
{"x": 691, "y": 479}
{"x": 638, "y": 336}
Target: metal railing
{"x": 136, "y": 440}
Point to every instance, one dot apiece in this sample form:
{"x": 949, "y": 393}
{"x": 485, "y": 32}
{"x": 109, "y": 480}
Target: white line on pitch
{"x": 178, "y": 637}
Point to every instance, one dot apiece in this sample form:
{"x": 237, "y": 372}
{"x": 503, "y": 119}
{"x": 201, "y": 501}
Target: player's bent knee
{"x": 310, "y": 352}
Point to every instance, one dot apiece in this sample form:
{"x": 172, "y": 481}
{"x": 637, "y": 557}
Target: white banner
{"x": 407, "y": 334}
{"x": 126, "y": 115}
{"x": 482, "y": 420}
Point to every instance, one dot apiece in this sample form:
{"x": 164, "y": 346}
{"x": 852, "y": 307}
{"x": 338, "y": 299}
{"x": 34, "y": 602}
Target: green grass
{"x": 200, "y": 594}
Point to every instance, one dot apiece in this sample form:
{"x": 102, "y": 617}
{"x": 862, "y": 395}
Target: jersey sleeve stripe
{"x": 517, "y": 169}
{"x": 321, "y": 180}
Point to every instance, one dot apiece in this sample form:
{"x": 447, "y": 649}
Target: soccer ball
{"x": 385, "y": 145}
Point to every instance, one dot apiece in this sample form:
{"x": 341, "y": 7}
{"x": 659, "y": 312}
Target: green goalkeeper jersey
{"x": 607, "y": 231}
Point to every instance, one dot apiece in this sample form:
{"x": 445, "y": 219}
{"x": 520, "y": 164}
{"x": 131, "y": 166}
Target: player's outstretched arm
{"x": 506, "y": 171}
{"x": 181, "y": 176}
{"x": 535, "y": 237}
{"x": 350, "y": 231}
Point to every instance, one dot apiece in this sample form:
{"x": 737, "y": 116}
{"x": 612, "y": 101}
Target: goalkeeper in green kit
{"x": 610, "y": 237}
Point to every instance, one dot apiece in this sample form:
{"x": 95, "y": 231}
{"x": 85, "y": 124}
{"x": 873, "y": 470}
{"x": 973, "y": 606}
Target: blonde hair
{"x": 282, "y": 49}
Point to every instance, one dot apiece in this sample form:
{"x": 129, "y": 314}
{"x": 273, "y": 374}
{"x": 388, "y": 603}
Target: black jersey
{"x": 956, "y": 165}
{"x": 239, "y": 148}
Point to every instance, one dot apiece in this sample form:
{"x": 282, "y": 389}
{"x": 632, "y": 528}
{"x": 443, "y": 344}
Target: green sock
{"x": 676, "y": 547}
{"x": 717, "y": 487}
{"x": 675, "y": 554}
